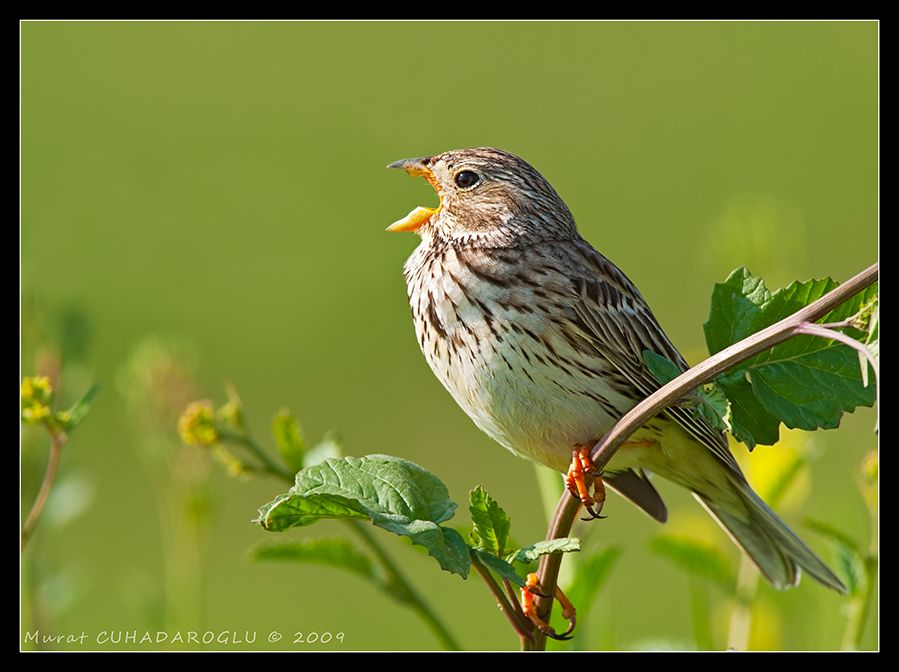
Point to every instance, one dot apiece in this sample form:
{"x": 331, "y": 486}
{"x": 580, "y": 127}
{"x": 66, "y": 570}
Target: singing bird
{"x": 540, "y": 339}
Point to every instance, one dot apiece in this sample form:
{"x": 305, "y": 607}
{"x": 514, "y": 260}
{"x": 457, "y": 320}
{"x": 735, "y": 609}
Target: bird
{"x": 539, "y": 338}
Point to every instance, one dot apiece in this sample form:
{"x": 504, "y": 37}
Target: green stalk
{"x": 408, "y": 593}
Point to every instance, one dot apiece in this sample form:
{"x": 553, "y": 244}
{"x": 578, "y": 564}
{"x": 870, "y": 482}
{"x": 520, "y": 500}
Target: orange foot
{"x": 532, "y": 588}
{"x": 581, "y": 474}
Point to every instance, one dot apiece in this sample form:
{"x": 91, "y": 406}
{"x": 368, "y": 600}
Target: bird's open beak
{"x": 415, "y": 219}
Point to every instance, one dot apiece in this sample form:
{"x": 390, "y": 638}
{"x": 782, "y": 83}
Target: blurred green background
{"x": 222, "y": 186}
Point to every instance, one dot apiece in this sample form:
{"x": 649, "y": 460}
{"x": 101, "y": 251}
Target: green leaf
{"x": 334, "y": 552}
{"x": 702, "y": 560}
{"x": 73, "y": 417}
{"x": 534, "y": 551}
{"x": 851, "y": 567}
{"x": 291, "y": 445}
{"x": 736, "y": 310}
{"x": 661, "y": 368}
{"x": 591, "y": 575}
{"x": 491, "y": 524}
{"x": 806, "y": 382}
{"x": 499, "y": 566}
{"x": 750, "y": 422}
{"x": 393, "y": 493}
{"x": 715, "y": 408}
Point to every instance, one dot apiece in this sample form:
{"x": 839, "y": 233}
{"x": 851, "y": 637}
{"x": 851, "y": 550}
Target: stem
{"x": 404, "y": 589}
{"x": 671, "y": 392}
{"x": 860, "y": 348}
{"x": 503, "y": 603}
{"x": 57, "y": 441}
{"x": 268, "y": 465}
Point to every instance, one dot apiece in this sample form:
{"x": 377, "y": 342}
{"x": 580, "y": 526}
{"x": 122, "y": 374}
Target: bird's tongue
{"x": 414, "y": 220}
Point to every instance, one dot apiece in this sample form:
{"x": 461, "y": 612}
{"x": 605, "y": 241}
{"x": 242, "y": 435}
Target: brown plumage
{"x": 540, "y": 339}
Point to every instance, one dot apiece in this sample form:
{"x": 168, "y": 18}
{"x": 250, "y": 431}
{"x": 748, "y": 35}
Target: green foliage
{"x": 534, "y": 551}
{"x": 752, "y": 423}
{"x": 702, "y": 560}
{"x": 501, "y": 567}
{"x": 807, "y": 381}
{"x": 289, "y": 439}
{"x": 393, "y": 493}
{"x": 491, "y": 525}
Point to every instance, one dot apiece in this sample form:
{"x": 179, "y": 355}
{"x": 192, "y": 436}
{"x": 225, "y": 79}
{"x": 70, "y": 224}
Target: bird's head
{"x": 487, "y": 195}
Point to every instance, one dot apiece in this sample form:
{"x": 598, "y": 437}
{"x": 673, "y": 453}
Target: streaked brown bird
{"x": 539, "y": 338}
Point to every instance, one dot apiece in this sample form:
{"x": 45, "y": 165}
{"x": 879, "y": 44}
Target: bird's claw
{"x": 532, "y": 587}
{"x": 581, "y": 474}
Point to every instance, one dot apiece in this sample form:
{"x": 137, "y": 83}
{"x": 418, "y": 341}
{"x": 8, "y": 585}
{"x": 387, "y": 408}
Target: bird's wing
{"x": 616, "y": 320}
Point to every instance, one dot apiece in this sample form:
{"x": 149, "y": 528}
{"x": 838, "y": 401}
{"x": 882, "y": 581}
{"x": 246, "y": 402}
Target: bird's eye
{"x": 467, "y": 179}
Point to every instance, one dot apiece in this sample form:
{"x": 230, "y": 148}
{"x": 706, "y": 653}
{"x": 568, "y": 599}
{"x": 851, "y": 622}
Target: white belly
{"x": 492, "y": 367}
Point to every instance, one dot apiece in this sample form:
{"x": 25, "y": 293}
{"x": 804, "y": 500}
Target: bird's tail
{"x": 773, "y": 547}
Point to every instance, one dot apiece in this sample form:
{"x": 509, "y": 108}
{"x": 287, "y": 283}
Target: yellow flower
{"x": 197, "y": 424}
{"x": 36, "y": 396}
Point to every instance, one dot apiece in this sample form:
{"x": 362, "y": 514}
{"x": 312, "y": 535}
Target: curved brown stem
{"x": 57, "y": 441}
{"x": 511, "y": 614}
{"x": 670, "y": 393}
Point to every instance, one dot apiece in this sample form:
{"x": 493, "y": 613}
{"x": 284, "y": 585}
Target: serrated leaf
{"x": 395, "y": 494}
{"x": 334, "y": 552}
{"x": 499, "y": 566}
{"x": 490, "y": 524}
{"x": 73, "y": 417}
{"x": 735, "y": 310}
{"x": 806, "y": 382}
{"x": 534, "y": 551}
{"x": 702, "y": 560}
{"x": 811, "y": 384}
{"x": 715, "y": 408}
{"x": 591, "y": 575}
{"x": 289, "y": 439}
